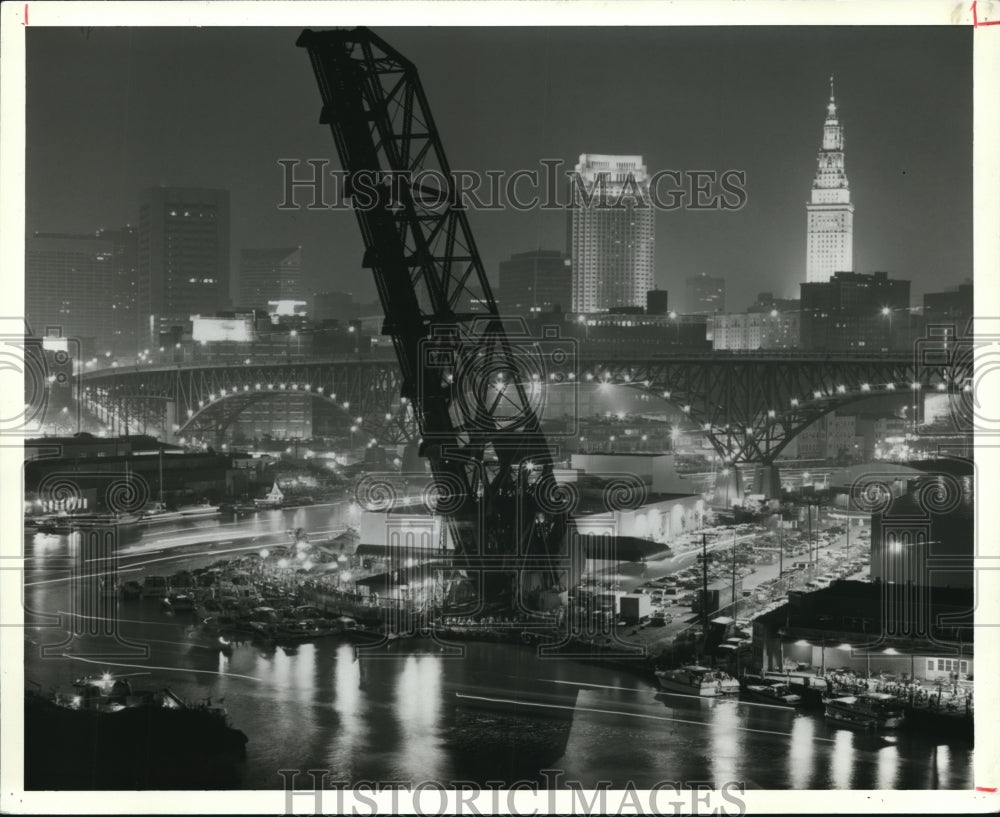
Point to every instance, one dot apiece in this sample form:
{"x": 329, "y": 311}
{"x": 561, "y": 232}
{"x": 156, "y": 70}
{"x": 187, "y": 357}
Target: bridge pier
{"x": 728, "y": 486}
{"x": 169, "y": 421}
{"x": 767, "y": 481}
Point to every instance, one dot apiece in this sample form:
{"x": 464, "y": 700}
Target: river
{"x": 413, "y": 712}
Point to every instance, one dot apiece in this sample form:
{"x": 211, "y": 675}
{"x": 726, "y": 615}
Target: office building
{"x": 535, "y": 281}
{"x": 85, "y": 285}
{"x": 610, "y": 223}
{"x": 706, "y": 294}
{"x": 269, "y": 274}
{"x": 830, "y": 213}
{"x": 183, "y": 257}
{"x": 868, "y": 313}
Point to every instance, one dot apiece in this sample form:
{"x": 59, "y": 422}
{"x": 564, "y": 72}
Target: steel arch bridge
{"x": 749, "y": 405}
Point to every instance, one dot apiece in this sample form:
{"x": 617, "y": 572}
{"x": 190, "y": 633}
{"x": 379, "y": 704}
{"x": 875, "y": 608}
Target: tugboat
{"x": 869, "y": 711}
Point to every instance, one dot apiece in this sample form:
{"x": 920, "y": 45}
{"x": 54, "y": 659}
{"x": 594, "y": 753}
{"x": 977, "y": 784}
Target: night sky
{"x": 110, "y": 111}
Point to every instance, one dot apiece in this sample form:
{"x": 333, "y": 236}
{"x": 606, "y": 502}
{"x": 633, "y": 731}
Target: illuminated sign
{"x": 233, "y": 330}
{"x": 286, "y": 307}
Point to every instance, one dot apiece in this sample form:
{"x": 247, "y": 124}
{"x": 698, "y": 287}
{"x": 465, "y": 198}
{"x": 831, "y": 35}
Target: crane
{"x": 464, "y": 373}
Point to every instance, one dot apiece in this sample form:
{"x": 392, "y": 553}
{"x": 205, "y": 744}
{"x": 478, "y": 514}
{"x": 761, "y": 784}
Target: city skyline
{"x": 914, "y": 202}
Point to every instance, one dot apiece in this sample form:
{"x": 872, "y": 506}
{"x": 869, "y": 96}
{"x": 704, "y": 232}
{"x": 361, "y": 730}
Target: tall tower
{"x": 830, "y": 246}
{"x": 610, "y": 233}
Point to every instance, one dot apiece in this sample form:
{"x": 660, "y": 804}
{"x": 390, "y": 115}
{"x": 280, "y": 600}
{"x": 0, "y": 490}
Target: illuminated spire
{"x": 831, "y": 87}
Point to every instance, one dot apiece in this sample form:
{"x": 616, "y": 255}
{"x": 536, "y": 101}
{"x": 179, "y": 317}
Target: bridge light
{"x": 114, "y": 364}
{"x": 270, "y": 385}
{"x": 886, "y": 310}
{"x": 590, "y": 376}
{"x": 388, "y": 416}
{"x": 190, "y": 412}
{"x": 705, "y": 427}
{"x": 817, "y": 394}
{"x": 673, "y": 316}
{"x": 307, "y": 387}
{"x": 627, "y": 379}
{"x": 890, "y": 386}
{"x": 841, "y": 389}
{"x": 774, "y": 313}
{"x": 865, "y": 387}
{"x": 223, "y": 391}
{"x": 357, "y": 420}
{"x": 295, "y": 386}
{"x": 915, "y": 386}
{"x": 666, "y": 395}
{"x": 645, "y": 383}
{"x": 941, "y": 387}
{"x": 257, "y": 386}
{"x": 246, "y": 387}
{"x": 534, "y": 376}
{"x": 161, "y": 348}
{"x": 246, "y": 362}
{"x": 347, "y": 404}
{"x": 572, "y": 375}
{"x": 353, "y": 429}
{"x": 201, "y": 404}
{"x": 771, "y": 412}
{"x": 686, "y": 409}
{"x": 644, "y": 438}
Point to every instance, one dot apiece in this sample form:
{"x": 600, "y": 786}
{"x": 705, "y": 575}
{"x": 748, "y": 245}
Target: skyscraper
{"x": 269, "y": 274}
{"x": 535, "y": 281}
{"x": 85, "y": 285}
{"x": 830, "y": 214}
{"x": 183, "y": 256}
{"x": 610, "y": 233}
{"x": 706, "y": 294}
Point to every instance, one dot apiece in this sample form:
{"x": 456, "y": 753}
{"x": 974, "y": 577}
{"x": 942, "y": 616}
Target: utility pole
{"x": 704, "y": 586}
{"x": 735, "y": 603}
{"x": 809, "y": 518}
{"x": 781, "y": 549}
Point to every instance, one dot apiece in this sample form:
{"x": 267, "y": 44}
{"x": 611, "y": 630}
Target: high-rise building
{"x": 610, "y": 233}
{"x": 830, "y": 214}
{"x": 269, "y": 274}
{"x": 535, "y": 281}
{"x": 706, "y": 294}
{"x": 869, "y": 313}
{"x": 183, "y": 256}
{"x": 85, "y": 285}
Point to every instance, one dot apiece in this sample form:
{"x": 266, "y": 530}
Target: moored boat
{"x": 867, "y": 711}
{"x": 772, "y": 694}
{"x": 695, "y": 680}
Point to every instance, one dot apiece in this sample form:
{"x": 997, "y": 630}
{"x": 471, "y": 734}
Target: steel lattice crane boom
{"x": 463, "y": 373}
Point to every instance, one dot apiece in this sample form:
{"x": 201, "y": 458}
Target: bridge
{"x": 749, "y": 405}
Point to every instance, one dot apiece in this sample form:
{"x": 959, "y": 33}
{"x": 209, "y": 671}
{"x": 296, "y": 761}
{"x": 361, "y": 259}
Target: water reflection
{"x": 842, "y": 761}
{"x": 401, "y": 717}
{"x": 801, "y": 753}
